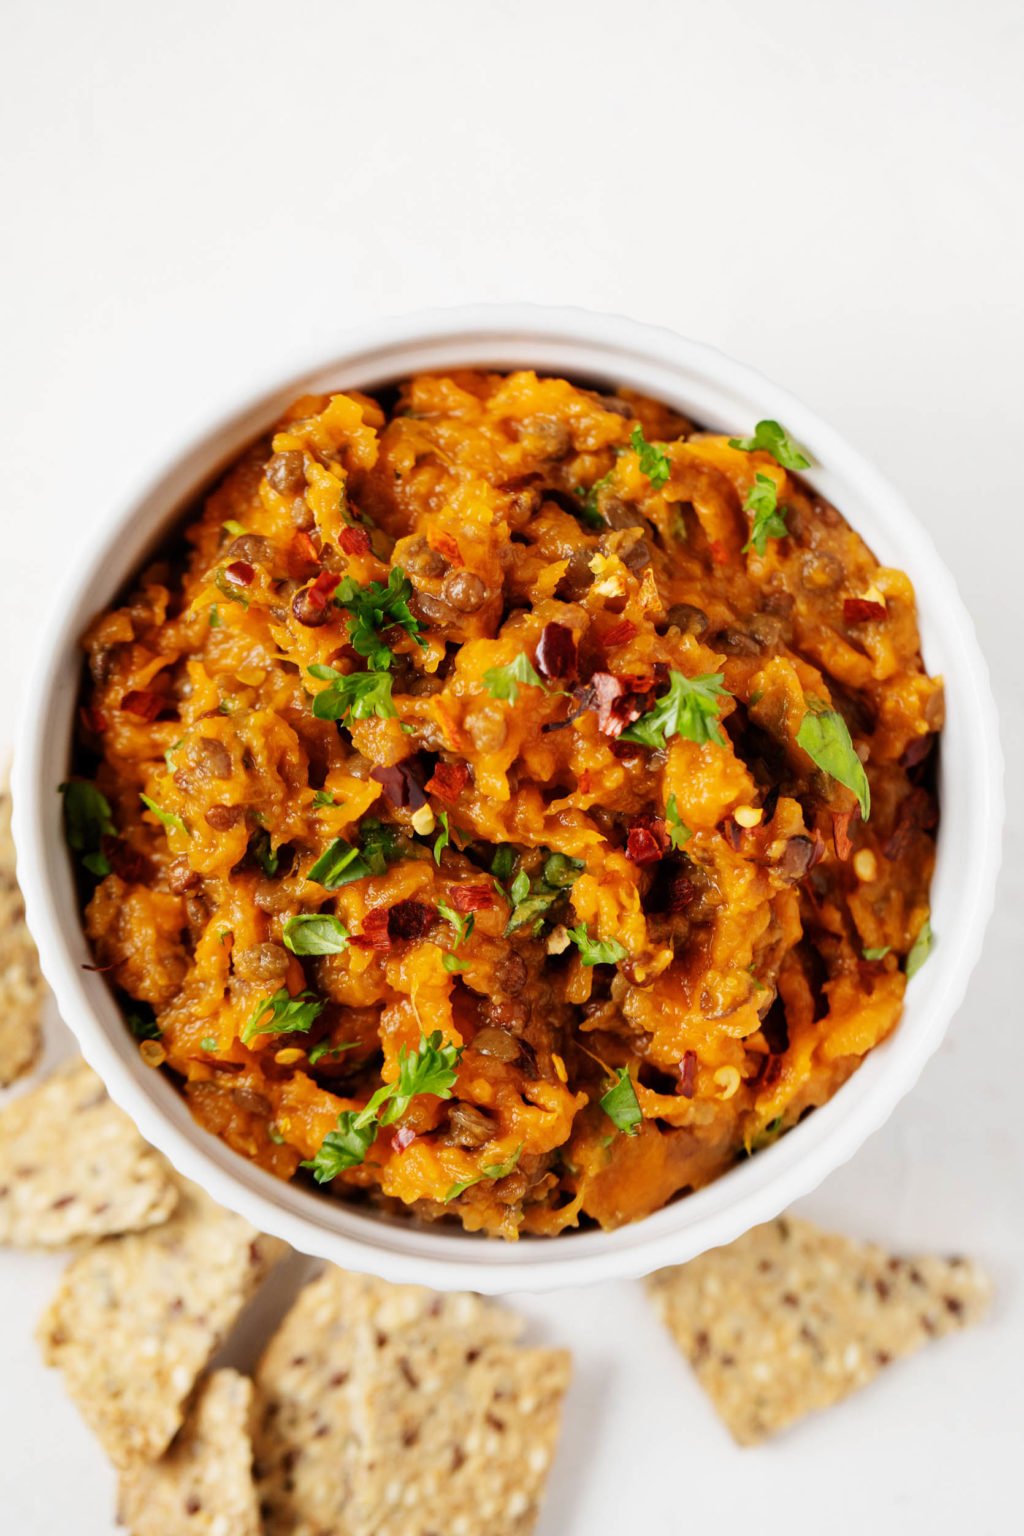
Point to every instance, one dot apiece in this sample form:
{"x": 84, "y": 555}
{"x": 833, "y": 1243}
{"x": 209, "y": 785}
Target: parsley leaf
{"x": 596, "y": 951}
{"x": 325, "y": 1048}
{"x": 769, "y": 518}
{"x": 208, "y": 1043}
{"x": 263, "y": 851}
{"x": 689, "y": 709}
{"x": 621, "y": 1105}
{"x": 322, "y": 798}
{"x": 172, "y": 822}
{"x": 87, "y": 820}
{"x": 493, "y": 1171}
{"x": 443, "y": 838}
{"x": 338, "y": 865}
{"x": 590, "y": 512}
{"x": 228, "y": 590}
{"x": 286, "y": 1013}
{"x": 343, "y": 1148}
{"x": 143, "y": 1026}
{"x": 654, "y": 461}
{"x": 355, "y": 696}
{"x": 503, "y": 682}
{"x": 825, "y": 738}
{"x": 431, "y": 1068}
{"x": 376, "y": 607}
{"x": 503, "y": 862}
{"x": 215, "y": 620}
{"x": 876, "y": 954}
{"x": 463, "y": 923}
{"x": 772, "y": 438}
{"x": 314, "y": 933}
{"x": 920, "y": 949}
{"x": 678, "y": 832}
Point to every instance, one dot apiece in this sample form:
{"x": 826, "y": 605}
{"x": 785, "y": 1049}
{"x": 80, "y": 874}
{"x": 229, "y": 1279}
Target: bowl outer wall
{"x": 719, "y": 393}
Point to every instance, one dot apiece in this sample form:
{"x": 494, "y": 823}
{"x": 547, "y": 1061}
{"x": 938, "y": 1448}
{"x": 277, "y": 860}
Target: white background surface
{"x": 831, "y": 193}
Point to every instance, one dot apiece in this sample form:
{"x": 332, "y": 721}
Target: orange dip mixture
{"x": 578, "y": 800}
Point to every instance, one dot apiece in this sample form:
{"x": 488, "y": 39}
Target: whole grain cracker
{"x": 789, "y": 1319}
{"x": 137, "y": 1318}
{"x": 73, "y": 1166}
{"x": 22, "y": 988}
{"x": 203, "y": 1485}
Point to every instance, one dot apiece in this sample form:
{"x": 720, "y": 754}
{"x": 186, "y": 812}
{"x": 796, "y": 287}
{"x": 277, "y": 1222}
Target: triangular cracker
{"x": 73, "y": 1166}
{"x": 203, "y": 1485}
{"x": 22, "y": 988}
{"x": 789, "y": 1319}
{"x": 137, "y": 1318}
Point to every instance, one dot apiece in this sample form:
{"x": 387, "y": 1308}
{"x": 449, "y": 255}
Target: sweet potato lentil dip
{"x": 552, "y": 709}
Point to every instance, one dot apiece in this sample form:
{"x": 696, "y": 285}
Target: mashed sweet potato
{"x": 511, "y": 804}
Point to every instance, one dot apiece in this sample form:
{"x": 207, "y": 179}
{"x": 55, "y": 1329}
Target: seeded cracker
{"x": 789, "y": 1319}
{"x": 137, "y": 1318}
{"x": 73, "y": 1166}
{"x": 22, "y": 989}
{"x": 203, "y": 1486}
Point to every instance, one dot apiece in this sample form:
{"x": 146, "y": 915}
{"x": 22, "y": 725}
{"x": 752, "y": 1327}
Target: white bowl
{"x": 718, "y": 393}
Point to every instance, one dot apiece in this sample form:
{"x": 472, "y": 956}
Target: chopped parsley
{"x": 314, "y": 933}
{"x": 208, "y": 1043}
{"x": 596, "y": 951}
{"x": 233, "y": 527}
{"x": 228, "y": 589}
{"x": 352, "y": 696}
{"x": 920, "y": 949}
{"x": 325, "y": 1048}
{"x": 286, "y": 1013}
{"x": 263, "y": 851}
{"x": 590, "y": 512}
{"x": 689, "y": 709}
{"x": 492, "y": 1171}
{"x": 376, "y": 607}
{"x": 431, "y": 1068}
{"x": 531, "y": 899}
{"x": 342, "y": 862}
{"x": 214, "y": 618}
{"x": 172, "y": 822}
{"x": 678, "y": 832}
{"x": 443, "y": 838}
{"x": 769, "y": 518}
{"x": 503, "y": 862}
{"x": 143, "y": 1026}
{"x": 621, "y": 1105}
{"x": 825, "y": 738}
{"x": 462, "y": 922}
{"x": 770, "y": 437}
{"x": 876, "y": 954}
{"x": 654, "y": 461}
{"x": 87, "y": 821}
{"x": 503, "y": 682}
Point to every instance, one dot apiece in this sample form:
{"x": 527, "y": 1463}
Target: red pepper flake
{"x": 618, "y": 701}
{"x": 400, "y": 785}
{"x": 687, "y": 1074}
{"x": 642, "y": 845}
{"x": 375, "y": 933}
{"x": 92, "y": 719}
{"x": 354, "y": 541}
{"x": 144, "y": 703}
{"x": 240, "y": 572}
{"x": 403, "y": 1137}
{"x": 583, "y": 782}
{"x": 858, "y": 610}
{"x": 317, "y": 596}
{"x": 556, "y": 651}
{"x": 446, "y": 546}
{"x": 719, "y": 553}
{"x": 472, "y": 898}
{"x": 303, "y": 557}
{"x": 448, "y": 781}
{"x": 410, "y": 920}
{"x": 619, "y": 634}
{"x": 841, "y": 832}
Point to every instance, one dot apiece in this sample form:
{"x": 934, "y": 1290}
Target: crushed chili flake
{"x": 448, "y": 781}
{"x": 403, "y": 1136}
{"x": 144, "y": 703}
{"x": 240, "y": 572}
{"x": 354, "y": 541}
{"x": 302, "y": 556}
{"x": 618, "y": 701}
{"x": 472, "y": 898}
{"x": 687, "y": 1074}
{"x": 858, "y": 610}
{"x": 619, "y": 634}
{"x": 410, "y": 920}
{"x": 401, "y": 785}
{"x": 446, "y": 546}
{"x": 719, "y": 553}
{"x": 643, "y": 845}
{"x": 92, "y": 719}
{"x": 319, "y": 592}
{"x": 556, "y": 651}
{"x": 841, "y": 821}
{"x": 374, "y": 933}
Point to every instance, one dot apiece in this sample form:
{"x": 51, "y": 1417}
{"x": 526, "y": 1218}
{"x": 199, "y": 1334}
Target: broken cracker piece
{"x": 789, "y": 1319}
{"x": 73, "y": 1166}
{"x": 203, "y": 1486}
{"x": 137, "y": 1318}
{"x": 22, "y": 988}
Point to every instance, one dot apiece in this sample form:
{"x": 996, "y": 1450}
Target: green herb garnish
{"x": 143, "y": 1027}
{"x": 503, "y": 682}
{"x": 463, "y": 923}
{"x": 772, "y": 438}
{"x": 825, "y": 738}
{"x": 561, "y": 871}
{"x": 172, "y": 822}
{"x": 621, "y": 1105}
{"x": 228, "y": 589}
{"x": 596, "y": 951}
{"x": 689, "y": 709}
{"x": 87, "y": 821}
{"x": 341, "y": 862}
{"x": 920, "y": 949}
{"x": 492, "y": 1171}
{"x": 443, "y": 838}
{"x": 213, "y": 616}
{"x": 325, "y": 1048}
{"x": 453, "y": 963}
{"x": 876, "y": 954}
{"x": 263, "y": 851}
{"x": 322, "y": 798}
{"x": 678, "y": 832}
{"x": 352, "y": 696}
{"x": 769, "y": 518}
{"x": 208, "y": 1043}
{"x": 233, "y": 527}
{"x": 376, "y": 607}
{"x": 590, "y": 512}
{"x": 314, "y": 933}
{"x": 503, "y": 862}
{"x": 343, "y": 1148}
{"x": 282, "y": 1014}
{"x": 654, "y": 461}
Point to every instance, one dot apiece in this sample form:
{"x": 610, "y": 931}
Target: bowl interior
{"x": 717, "y": 393}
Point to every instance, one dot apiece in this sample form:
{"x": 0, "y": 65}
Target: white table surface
{"x": 831, "y": 193}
